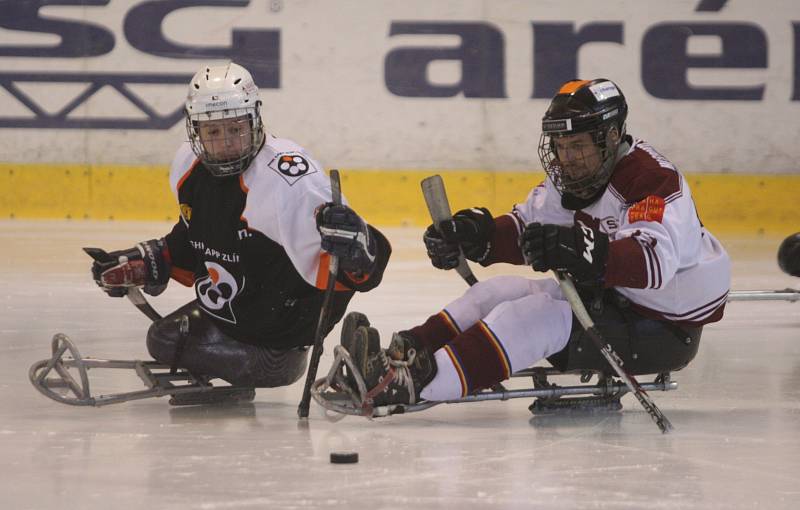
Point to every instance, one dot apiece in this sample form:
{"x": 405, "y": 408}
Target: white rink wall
{"x": 335, "y": 79}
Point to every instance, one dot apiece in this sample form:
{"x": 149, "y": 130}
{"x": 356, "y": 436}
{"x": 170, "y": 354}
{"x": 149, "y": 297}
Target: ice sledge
{"x": 64, "y": 377}
{"x": 335, "y": 393}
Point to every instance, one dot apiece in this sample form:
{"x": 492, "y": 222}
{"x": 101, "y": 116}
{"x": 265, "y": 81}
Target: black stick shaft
{"x": 139, "y": 301}
{"x": 319, "y": 337}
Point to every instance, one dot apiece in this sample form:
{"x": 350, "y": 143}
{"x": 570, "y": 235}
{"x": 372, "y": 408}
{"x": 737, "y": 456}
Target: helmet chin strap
{"x": 622, "y": 148}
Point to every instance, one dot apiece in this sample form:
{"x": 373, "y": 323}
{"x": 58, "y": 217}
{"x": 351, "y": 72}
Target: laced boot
{"x": 360, "y": 346}
{"x": 397, "y": 374}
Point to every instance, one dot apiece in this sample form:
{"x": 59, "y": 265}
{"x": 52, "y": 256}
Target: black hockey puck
{"x": 344, "y": 457}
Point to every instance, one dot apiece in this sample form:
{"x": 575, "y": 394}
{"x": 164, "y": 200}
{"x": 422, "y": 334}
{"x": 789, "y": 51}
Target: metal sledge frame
{"x": 335, "y": 393}
{"x": 790, "y": 295}
{"x": 157, "y": 378}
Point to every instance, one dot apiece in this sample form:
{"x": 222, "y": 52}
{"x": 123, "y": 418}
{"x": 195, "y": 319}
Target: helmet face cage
{"x": 214, "y": 151}
{"x": 592, "y": 179}
{"x": 594, "y": 107}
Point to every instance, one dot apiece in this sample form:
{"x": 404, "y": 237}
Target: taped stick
{"x": 608, "y": 353}
{"x": 319, "y": 336}
{"x": 439, "y": 209}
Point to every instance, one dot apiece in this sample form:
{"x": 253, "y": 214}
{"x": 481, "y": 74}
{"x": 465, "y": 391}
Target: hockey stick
{"x": 439, "y": 209}
{"x": 319, "y": 336}
{"x": 133, "y": 293}
{"x": 608, "y": 353}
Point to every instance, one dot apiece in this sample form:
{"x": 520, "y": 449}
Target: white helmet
{"x": 224, "y": 92}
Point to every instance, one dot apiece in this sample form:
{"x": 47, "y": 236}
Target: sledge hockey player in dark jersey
{"x": 616, "y": 215}
{"x": 256, "y": 227}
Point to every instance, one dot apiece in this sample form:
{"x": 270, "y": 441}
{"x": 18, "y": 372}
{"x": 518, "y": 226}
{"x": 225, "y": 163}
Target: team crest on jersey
{"x": 291, "y": 166}
{"x": 216, "y": 292}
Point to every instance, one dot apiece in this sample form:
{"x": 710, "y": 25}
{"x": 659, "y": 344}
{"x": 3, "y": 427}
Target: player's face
{"x": 226, "y": 139}
{"x": 578, "y": 155}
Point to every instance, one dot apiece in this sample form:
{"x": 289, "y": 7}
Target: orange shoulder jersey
{"x": 250, "y": 246}
{"x": 660, "y": 256}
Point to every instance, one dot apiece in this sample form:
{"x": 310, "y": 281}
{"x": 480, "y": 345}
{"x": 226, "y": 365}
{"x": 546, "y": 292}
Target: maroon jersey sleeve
{"x": 505, "y": 242}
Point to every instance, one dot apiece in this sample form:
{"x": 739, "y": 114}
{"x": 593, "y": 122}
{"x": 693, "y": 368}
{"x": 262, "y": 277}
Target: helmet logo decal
{"x": 557, "y": 126}
{"x": 292, "y": 166}
{"x": 604, "y": 90}
{"x": 216, "y": 291}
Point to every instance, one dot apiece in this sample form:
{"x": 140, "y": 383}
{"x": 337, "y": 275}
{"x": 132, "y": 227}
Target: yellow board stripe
{"x": 498, "y": 347}
{"x": 445, "y": 315}
{"x": 764, "y": 204}
{"x": 462, "y": 376}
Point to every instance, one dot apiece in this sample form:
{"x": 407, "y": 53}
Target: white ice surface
{"x": 736, "y": 412}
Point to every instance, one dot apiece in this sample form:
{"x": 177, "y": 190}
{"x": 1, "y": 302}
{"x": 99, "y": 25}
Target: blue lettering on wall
{"x": 555, "y": 52}
{"x": 258, "y": 50}
{"x": 78, "y": 39}
{"x": 666, "y": 61}
{"x": 710, "y": 5}
{"x": 481, "y": 55}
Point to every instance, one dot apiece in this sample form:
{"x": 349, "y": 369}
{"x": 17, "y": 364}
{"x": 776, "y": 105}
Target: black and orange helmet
{"x": 583, "y": 106}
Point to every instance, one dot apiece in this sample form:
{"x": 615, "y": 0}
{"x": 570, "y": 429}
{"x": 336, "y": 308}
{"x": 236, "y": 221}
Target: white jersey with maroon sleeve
{"x": 660, "y": 256}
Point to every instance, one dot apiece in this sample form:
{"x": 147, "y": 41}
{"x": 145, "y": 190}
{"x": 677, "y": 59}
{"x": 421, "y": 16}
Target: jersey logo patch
{"x": 216, "y": 292}
{"x": 649, "y": 209}
{"x": 291, "y": 166}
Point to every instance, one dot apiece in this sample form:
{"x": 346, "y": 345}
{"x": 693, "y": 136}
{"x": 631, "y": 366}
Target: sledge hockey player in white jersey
{"x": 256, "y": 229}
{"x": 616, "y": 215}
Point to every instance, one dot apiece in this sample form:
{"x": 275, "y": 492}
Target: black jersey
{"x": 250, "y": 246}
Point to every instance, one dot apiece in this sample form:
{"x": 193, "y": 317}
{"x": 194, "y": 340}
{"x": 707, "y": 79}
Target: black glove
{"x": 443, "y": 255}
{"x": 469, "y": 229}
{"x": 580, "y": 250}
{"x": 345, "y": 235}
{"x": 143, "y": 265}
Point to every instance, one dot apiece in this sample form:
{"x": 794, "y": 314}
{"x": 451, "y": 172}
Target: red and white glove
{"x": 145, "y": 265}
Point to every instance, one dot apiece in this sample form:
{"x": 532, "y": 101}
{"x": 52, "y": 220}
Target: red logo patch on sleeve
{"x": 649, "y": 209}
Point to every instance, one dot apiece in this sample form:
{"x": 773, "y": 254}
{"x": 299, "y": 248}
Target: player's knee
{"x": 544, "y": 286}
{"x": 162, "y": 337}
{"x": 490, "y": 289}
{"x": 534, "y": 308}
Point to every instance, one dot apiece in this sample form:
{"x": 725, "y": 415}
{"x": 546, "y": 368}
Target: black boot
{"x": 397, "y": 374}
{"x": 359, "y": 347}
